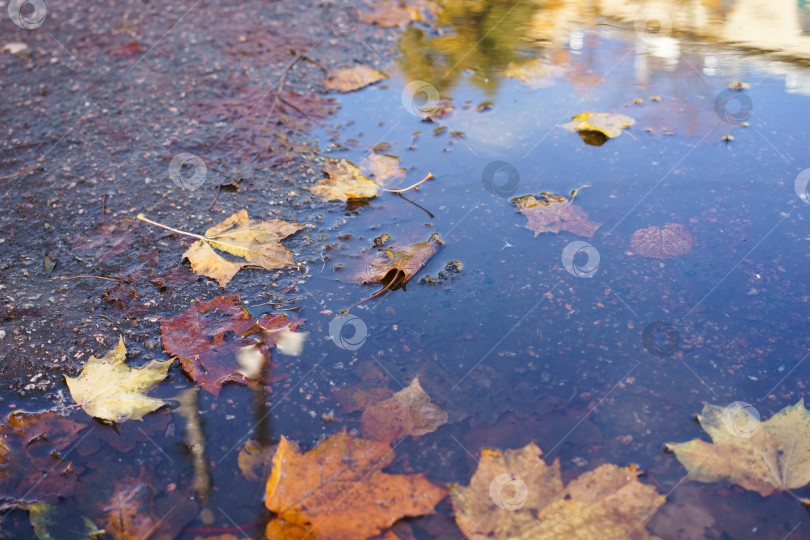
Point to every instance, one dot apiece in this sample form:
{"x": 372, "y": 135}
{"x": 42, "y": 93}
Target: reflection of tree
{"x": 481, "y": 35}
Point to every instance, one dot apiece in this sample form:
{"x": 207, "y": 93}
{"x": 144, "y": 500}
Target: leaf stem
{"x": 144, "y": 218}
{"x": 425, "y": 179}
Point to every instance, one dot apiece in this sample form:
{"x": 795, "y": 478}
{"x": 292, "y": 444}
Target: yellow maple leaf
{"x": 515, "y": 494}
{"x": 108, "y": 389}
{"x": 760, "y": 456}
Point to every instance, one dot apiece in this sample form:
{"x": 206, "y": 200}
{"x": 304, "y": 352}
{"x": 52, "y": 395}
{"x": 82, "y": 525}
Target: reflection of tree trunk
{"x": 195, "y": 439}
{"x": 264, "y": 429}
{"x": 804, "y": 17}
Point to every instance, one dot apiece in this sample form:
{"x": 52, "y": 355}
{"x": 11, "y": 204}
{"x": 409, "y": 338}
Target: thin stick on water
{"x": 425, "y": 179}
{"x": 156, "y": 224}
{"x": 32, "y": 169}
{"x": 89, "y": 276}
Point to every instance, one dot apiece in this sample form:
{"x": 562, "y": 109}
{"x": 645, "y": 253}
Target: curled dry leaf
{"x": 554, "y": 213}
{"x": 351, "y": 79}
{"x": 258, "y": 242}
{"x": 609, "y": 125}
{"x": 667, "y": 242}
{"x": 408, "y": 412}
{"x": 219, "y": 341}
{"x": 110, "y": 390}
{"x": 338, "y": 491}
{"x": 393, "y": 267}
{"x": 764, "y": 457}
{"x": 514, "y": 494}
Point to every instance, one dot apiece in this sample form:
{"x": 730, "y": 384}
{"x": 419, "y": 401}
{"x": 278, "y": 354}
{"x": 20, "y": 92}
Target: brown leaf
{"x": 131, "y": 512}
{"x": 106, "y": 240}
{"x": 408, "y": 412}
{"x": 258, "y": 242}
{"x": 391, "y": 13}
{"x": 765, "y": 457}
{"x": 393, "y": 267}
{"x": 255, "y": 459}
{"x": 667, "y": 242}
{"x": 515, "y": 494}
{"x": 338, "y": 490}
{"x": 351, "y": 79}
{"x": 554, "y": 213}
{"x": 383, "y": 168}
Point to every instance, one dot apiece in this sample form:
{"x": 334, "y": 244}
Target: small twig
{"x": 103, "y": 203}
{"x": 281, "y": 87}
{"x": 156, "y": 224}
{"x": 32, "y": 169}
{"x": 210, "y": 206}
{"x": 634, "y": 138}
{"x": 115, "y": 323}
{"x": 425, "y": 179}
{"x": 392, "y": 285}
{"x": 416, "y": 205}
{"x": 310, "y": 60}
{"x": 87, "y": 276}
{"x": 574, "y": 193}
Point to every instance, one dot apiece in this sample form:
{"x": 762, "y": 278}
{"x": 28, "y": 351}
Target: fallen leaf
{"x": 51, "y": 522}
{"x": 383, "y": 167}
{"x": 610, "y": 125}
{"x": 351, "y": 79}
{"x": 218, "y": 341}
{"x": 514, "y": 494}
{"x": 667, "y": 242}
{"x": 372, "y": 387}
{"x": 132, "y": 511}
{"x": 764, "y": 457}
{"x": 255, "y": 460}
{"x": 408, "y": 412}
{"x": 345, "y": 181}
{"x": 258, "y": 242}
{"x": 554, "y": 213}
{"x": 106, "y": 240}
{"x": 133, "y": 48}
{"x": 338, "y": 490}
{"x": 110, "y": 390}
{"x": 393, "y": 267}
{"x": 15, "y": 48}
{"x": 397, "y": 14}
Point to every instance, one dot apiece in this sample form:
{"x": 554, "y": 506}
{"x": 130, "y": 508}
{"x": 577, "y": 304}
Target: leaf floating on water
{"x": 338, "y": 491}
{"x": 609, "y": 125}
{"x": 393, "y": 267}
{"x": 554, "y": 213}
{"x": 110, "y": 390}
{"x": 667, "y": 242}
{"x": 408, "y": 412}
{"x": 530, "y": 501}
{"x": 383, "y": 167}
{"x": 351, "y": 79}
{"x": 765, "y": 457}
{"x": 345, "y": 181}
{"x": 397, "y": 14}
{"x": 257, "y": 242}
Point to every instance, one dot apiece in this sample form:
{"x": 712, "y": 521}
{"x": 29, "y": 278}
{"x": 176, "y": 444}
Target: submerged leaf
{"x": 351, "y": 79}
{"x": 338, "y": 490}
{"x": 408, "y": 412}
{"x": 50, "y": 523}
{"x": 608, "y": 124}
{"x": 258, "y": 242}
{"x": 393, "y": 267}
{"x": 515, "y": 494}
{"x": 764, "y": 457}
{"x": 110, "y": 390}
{"x": 667, "y": 242}
{"x": 554, "y": 213}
